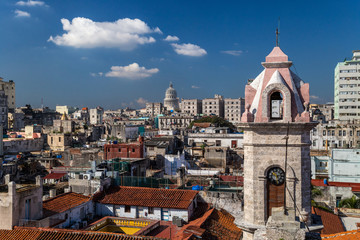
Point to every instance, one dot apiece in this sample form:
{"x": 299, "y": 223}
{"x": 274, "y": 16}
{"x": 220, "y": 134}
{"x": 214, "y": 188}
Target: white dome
{"x": 171, "y": 101}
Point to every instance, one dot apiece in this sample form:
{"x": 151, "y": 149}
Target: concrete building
{"x": 124, "y": 150}
{"x": 65, "y": 109}
{"x": 148, "y": 203}
{"x": 96, "y": 115}
{"x": 322, "y": 112}
{"x": 171, "y": 101}
{"x": 341, "y": 166}
{"x": 59, "y": 141}
{"x": 233, "y": 109}
{"x": 276, "y": 107}
{"x": 191, "y": 106}
{"x": 9, "y": 89}
{"x": 154, "y": 109}
{"x": 336, "y": 134}
{"x": 217, "y": 138}
{"x": 23, "y": 203}
{"x": 346, "y": 89}
{"x": 213, "y": 106}
{"x": 3, "y": 109}
{"x": 175, "y": 122}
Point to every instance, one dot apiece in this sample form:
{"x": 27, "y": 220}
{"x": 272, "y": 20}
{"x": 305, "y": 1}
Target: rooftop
{"x": 147, "y": 197}
{"x": 30, "y": 233}
{"x": 350, "y": 235}
{"x": 63, "y": 202}
{"x": 332, "y": 222}
{"x": 54, "y": 175}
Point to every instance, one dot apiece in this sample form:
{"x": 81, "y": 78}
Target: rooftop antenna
{"x": 278, "y": 33}
{"x": 42, "y": 103}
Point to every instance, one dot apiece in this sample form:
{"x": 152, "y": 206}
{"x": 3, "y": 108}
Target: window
{"x": 324, "y": 143}
{"x": 340, "y": 132}
{"x": 333, "y": 133}
{"x": 133, "y": 150}
{"x": 151, "y": 210}
{"x": 324, "y": 132}
{"x": 350, "y": 133}
{"x": 119, "y": 149}
{"x": 127, "y": 208}
{"x": 218, "y": 143}
{"x": 344, "y": 133}
{"x": 276, "y": 106}
{"x": 314, "y": 143}
{"x": 59, "y": 139}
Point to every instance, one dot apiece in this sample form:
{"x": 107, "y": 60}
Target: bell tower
{"x": 276, "y": 124}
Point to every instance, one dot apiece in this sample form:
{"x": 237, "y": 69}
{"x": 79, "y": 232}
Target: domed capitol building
{"x": 171, "y": 101}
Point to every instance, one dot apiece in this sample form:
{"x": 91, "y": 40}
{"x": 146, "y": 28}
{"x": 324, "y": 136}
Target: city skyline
{"x": 123, "y": 54}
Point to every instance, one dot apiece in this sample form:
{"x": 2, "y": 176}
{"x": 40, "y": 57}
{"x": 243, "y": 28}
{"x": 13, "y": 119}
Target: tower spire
{"x": 278, "y": 33}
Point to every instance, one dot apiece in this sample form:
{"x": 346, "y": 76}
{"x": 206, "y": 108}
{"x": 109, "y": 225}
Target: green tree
{"x": 217, "y": 121}
{"x": 352, "y": 202}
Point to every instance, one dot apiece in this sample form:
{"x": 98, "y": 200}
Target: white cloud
{"x": 141, "y": 101}
{"x": 195, "y": 87}
{"x": 31, "y": 3}
{"x": 19, "y": 13}
{"x": 125, "y": 34}
{"x": 132, "y": 71}
{"x": 99, "y": 74}
{"x": 170, "y": 38}
{"x": 233, "y": 52}
{"x": 188, "y": 49}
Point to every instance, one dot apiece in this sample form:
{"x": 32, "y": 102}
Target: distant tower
{"x": 276, "y": 126}
{"x": 171, "y": 101}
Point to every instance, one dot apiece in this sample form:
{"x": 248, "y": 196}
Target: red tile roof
{"x": 54, "y": 175}
{"x": 332, "y": 222}
{"x": 320, "y": 183}
{"x": 350, "y": 235}
{"x": 214, "y": 224}
{"x": 63, "y": 202}
{"x": 147, "y": 197}
{"x": 26, "y": 233}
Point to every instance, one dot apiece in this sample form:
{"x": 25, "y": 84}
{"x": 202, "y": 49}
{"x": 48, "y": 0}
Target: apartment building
{"x": 191, "y": 106}
{"x": 9, "y": 89}
{"x": 154, "y": 109}
{"x": 233, "y": 109}
{"x": 347, "y": 88}
{"x": 213, "y": 106}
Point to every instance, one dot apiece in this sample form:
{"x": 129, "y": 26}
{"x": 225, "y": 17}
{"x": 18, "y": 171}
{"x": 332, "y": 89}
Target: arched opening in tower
{"x": 276, "y": 105}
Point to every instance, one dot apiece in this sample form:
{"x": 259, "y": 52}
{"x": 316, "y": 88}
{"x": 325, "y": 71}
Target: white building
{"x": 217, "y": 137}
{"x": 347, "y": 89}
{"x": 65, "y": 109}
{"x": 174, "y": 162}
{"x": 171, "y": 101}
{"x": 191, "y": 106}
{"x": 151, "y": 203}
{"x": 96, "y": 115}
{"x": 213, "y": 106}
{"x": 233, "y": 109}
{"x": 154, "y": 109}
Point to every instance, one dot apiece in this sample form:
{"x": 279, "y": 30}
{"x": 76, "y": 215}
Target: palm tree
{"x": 352, "y": 202}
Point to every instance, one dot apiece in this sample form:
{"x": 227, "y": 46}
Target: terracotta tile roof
{"x": 24, "y": 233}
{"x": 203, "y": 125}
{"x": 214, "y": 224}
{"x": 62, "y": 203}
{"x": 350, "y": 235}
{"x": 147, "y": 197}
{"x": 332, "y": 222}
{"x": 54, "y": 175}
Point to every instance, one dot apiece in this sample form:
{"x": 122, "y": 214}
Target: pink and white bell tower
{"x": 277, "y": 167}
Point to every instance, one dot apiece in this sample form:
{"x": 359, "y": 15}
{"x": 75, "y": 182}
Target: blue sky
{"x": 113, "y": 53}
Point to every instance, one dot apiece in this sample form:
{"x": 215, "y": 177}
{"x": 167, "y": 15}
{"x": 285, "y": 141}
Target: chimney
{"x": 39, "y": 181}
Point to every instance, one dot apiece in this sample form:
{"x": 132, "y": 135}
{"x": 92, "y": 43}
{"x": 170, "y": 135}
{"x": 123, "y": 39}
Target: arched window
{"x": 276, "y": 106}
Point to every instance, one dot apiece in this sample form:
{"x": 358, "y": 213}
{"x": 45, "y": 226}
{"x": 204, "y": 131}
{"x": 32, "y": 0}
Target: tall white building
{"x": 233, "y": 109}
{"x": 171, "y": 101}
{"x": 96, "y": 115}
{"x": 347, "y": 89}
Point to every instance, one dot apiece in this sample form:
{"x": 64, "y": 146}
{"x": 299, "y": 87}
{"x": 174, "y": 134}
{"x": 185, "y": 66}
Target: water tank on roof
{"x": 115, "y": 142}
{"x": 325, "y": 181}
